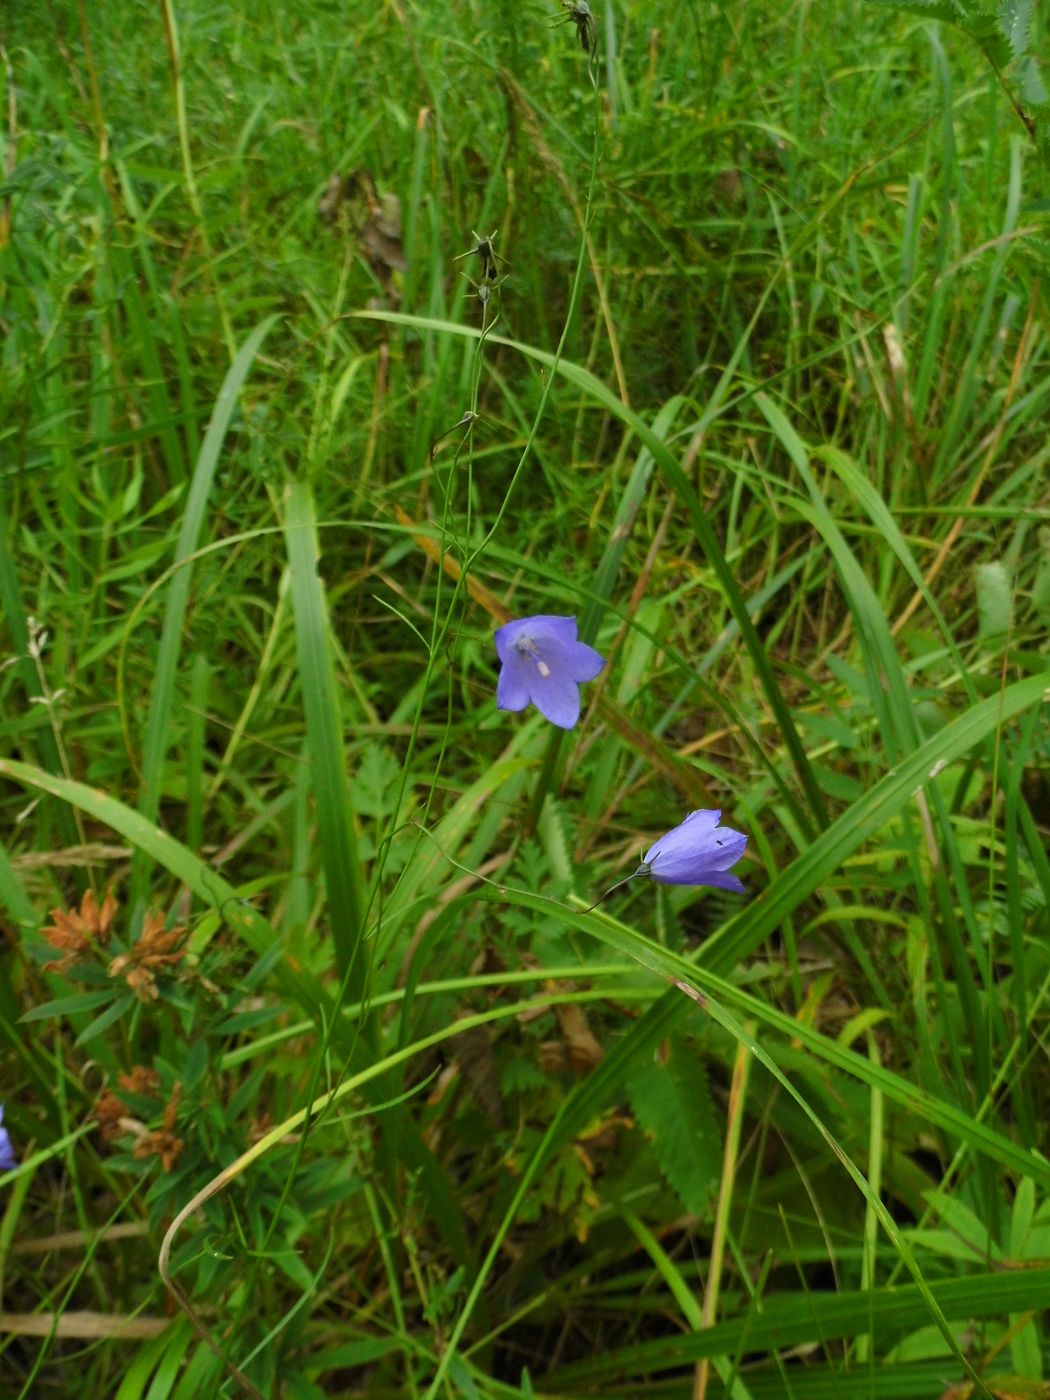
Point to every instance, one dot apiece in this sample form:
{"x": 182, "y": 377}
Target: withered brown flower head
{"x": 114, "y": 1118}
{"x": 140, "y": 1080}
{"x": 109, "y": 1112}
{"x": 77, "y": 933}
{"x": 153, "y": 950}
{"x": 163, "y": 1143}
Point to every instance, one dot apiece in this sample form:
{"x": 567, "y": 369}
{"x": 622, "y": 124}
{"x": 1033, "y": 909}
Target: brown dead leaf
{"x": 86, "y": 1326}
{"x": 478, "y": 1066}
{"x": 260, "y": 1126}
{"x": 114, "y": 1116}
{"x": 109, "y": 1112}
{"x": 1003, "y": 1388}
{"x": 452, "y": 567}
{"x": 584, "y": 1052}
{"x": 89, "y": 854}
{"x": 603, "y": 1135}
{"x": 552, "y": 1056}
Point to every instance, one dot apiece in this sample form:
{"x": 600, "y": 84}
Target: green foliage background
{"x": 761, "y": 398}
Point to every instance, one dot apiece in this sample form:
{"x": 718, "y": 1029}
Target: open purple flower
{"x": 699, "y": 852}
{"x": 8, "y": 1160}
{"x": 544, "y": 664}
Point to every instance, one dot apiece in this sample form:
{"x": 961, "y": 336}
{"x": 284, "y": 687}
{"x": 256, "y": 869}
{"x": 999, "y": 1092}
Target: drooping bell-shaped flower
{"x": 698, "y": 852}
{"x": 544, "y": 664}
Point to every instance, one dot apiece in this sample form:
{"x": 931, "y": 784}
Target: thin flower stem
{"x": 640, "y": 873}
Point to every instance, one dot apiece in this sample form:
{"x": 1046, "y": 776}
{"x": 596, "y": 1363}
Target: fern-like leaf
{"x": 672, "y": 1102}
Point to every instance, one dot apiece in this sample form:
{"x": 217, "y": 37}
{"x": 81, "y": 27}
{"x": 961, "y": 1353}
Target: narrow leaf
{"x": 344, "y": 883}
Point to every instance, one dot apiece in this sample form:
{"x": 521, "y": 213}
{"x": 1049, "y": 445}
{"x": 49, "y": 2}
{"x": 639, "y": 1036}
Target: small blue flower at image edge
{"x": 544, "y": 664}
{"x": 8, "y": 1160}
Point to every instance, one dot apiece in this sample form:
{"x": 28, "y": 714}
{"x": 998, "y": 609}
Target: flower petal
{"x": 8, "y": 1160}
{"x": 513, "y": 690}
{"x": 698, "y": 852}
{"x": 723, "y": 880}
{"x": 544, "y": 662}
{"x": 730, "y": 848}
{"x": 583, "y": 662}
{"x": 686, "y": 838}
{"x": 556, "y": 697}
{"x": 548, "y": 627}
{"x": 508, "y": 634}
{"x": 682, "y": 870}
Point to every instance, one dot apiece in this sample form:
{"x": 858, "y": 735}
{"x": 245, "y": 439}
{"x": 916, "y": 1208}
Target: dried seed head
{"x": 78, "y": 933}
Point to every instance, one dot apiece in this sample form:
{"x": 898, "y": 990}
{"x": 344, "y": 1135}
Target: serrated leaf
{"x": 994, "y": 600}
{"x": 520, "y": 1076}
{"x": 553, "y": 830}
{"x": 375, "y": 782}
{"x": 1033, "y": 88}
{"x": 983, "y": 26}
{"x": 984, "y": 29}
{"x": 672, "y": 1102}
{"x": 1015, "y": 21}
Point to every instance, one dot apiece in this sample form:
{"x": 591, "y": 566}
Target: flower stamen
{"x": 528, "y": 651}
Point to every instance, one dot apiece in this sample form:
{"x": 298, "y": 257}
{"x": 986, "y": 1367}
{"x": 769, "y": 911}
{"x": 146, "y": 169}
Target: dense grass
{"x": 762, "y": 400}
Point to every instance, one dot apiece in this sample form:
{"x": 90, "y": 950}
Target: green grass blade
{"x": 956, "y": 1121}
{"x": 17, "y": 621}
{"x": 344, "y": 883}
{"x": 801, "y": 1318}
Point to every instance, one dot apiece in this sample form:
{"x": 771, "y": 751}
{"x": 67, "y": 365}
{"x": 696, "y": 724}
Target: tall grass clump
{"x": 337, "y": 337}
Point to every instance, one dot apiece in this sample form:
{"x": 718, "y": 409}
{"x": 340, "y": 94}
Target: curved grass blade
{"x": 624, "y": 939}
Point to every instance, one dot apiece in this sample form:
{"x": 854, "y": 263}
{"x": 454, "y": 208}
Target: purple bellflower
{"x": 699, "y": 852}
{"x": 8, "y": 1160}
{"x": 543, "y": 663}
